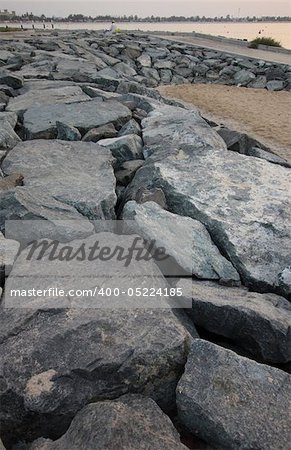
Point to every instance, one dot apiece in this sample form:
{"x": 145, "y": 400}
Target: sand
{"x": 264, "y": 115}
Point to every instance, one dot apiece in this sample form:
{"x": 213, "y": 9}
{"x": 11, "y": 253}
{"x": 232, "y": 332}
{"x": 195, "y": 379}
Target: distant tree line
{"x": 134, "y": 18}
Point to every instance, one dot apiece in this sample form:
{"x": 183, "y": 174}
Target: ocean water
{"x": 279, "y": 31}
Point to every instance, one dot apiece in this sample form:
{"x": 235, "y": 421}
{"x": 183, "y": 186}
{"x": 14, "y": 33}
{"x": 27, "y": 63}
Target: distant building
{"x": 5, "y": 14}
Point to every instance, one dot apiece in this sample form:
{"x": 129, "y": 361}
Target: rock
{"x": 258, "y": 83}
{"x": 7, "y": 90}
{"x": 144, "y": 60}
{"x": 87, "y": 190}
{"x": 157, "y": 53}
{"x": 8, "y": 137}
{"x": 275, "y": 73}
{"x": 184, "y": 72}
{"x": 164, "y": 64}
{"x": 200, "y": 257}
{"x": 76, "y": 356}
{"x": 200, "y": 69}
{"x": 5, "y": 55}
{"x": 40, "y": 122}
{"x": 258, "y": 323}
{"x": 243, "y": 204}
{"x": 124, "y": 148}
{"x": 126, "y": 171}
{"x": 103, "y": 132}
{"x": 115, "y": 423}
{"x": 66, "y": 94}
{"x": 284, "y": 282}
{"x": 76, "y": 70}
{"x": 233, "y": 402}
{"x": 10, "y": 117}
{"x": 247, "y": 64}
{"x": 12, "y": 80}
{"x": 166, "y": 76}
{"x": 243, "y": 77}
{"x": 132, "y": 51}
{"x": 151, "y": 73}
{"x": 275, "y": 85}
{"x": 94, "y": 92}
{"x": 67, "y": 132}
{"x": 131, "y": 127}
{"x": 268, "y": 156}
{"x": 125, "y": 69}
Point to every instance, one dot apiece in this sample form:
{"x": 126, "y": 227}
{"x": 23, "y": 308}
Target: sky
{"x": 150, "y": 7}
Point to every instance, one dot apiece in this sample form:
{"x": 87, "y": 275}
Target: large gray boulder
{"x": 233, "y": 402}
{"x": 66, "y": 94}
{"x": 186, "y": 240}
{"x": 11, "y": 79}
{"x": 259, "y": 323}
{"x": 79, "y": 184}
{"x": 124, "y": 148}
{"x": 40, "y": 122}
{"x": 244, "y": 202}
{"x": 94, "y": 348}
{"x": 76, "y": 70}
{"x": 119, "y": 423}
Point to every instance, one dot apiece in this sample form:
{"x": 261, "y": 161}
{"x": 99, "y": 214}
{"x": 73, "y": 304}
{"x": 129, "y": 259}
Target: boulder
{"x": 258, "y": 323}
{"x": 125, "y": 70}
{"x": 131, "y": 127}
{"x": 199, "y": 257}
{"x": 259, "y": 83}
{"x": 76, "y": 70}
{"x": 40, "y": 121}
{"x": 67, "y": 132}
{"x": 145, "y": 60}
{"x": 242, "y": 201}
{"x": 103, "y": 132}
{"x": 90, "y": 348}
{"x": 66, "y": 94}
{"x": 132, "y": 51}
{"x": 86, "y": 190}
{"x": 275, "y": 73}
{"x": 8, "y": 252}
{"x": 119, "y": 423}
{"x": 150, "y": 73}
{"x": 275, "y": 85}
{"x": 268, "y": 156}
{"x": 124, "y": 148}
{"x": 284, "y": 282}
{"x": 126, "y": 171}
{"x": 12, "y": 80}
{"x": 233, "y": 402}
{"x": 94, "y": 92}
{"x": 243, "y": 77}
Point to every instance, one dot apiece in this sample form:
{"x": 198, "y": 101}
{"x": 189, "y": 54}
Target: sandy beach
{"x": 262, "y": 114}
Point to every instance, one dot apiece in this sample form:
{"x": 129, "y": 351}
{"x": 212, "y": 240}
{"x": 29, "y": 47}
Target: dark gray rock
{"x": 12, "y": 80}
{"x": 125, "y": 70}
{"x": 275, "y": 73}
{"x": 76, "y": 70}
{"x": 259, "y": 323}
{"x": 131, "y": 127}
{"x": 103, "y": 132}
{"x": 66, "y": 94}
{"x": 275, "y": 85}
{"x": 233, "y": 402}
{"x": 40, "y": 122}
{"x": 151, "y": 73}
{"x": 126, "y": 171}
{"x": 94, "y": 92}
{"x": 243, "y": 77}
{"x": 184, "y": 239}
{"x": 284, "y": 282}
{"x": 259, "y": 83}
{"x": 75, "y": 356}
{"x": 268, "y": 156}
{"x": 66, "y": 132}
{"x": 119, "y": 423}
{"x": 8, "y": 252}
{"x": 124, "y": 148}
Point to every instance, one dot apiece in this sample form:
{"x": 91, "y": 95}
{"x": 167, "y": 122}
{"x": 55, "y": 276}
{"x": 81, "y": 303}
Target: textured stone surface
{"x": 233, "y": 402}
{"x": 186, "y": 240}
{"x": 66, "y": 94}
{"x": 124, "y": 148}
{"x": 76, "y": 356}
{"x": 259, "y": 323}
{"x": 80, "y": 183}
{"x": 8, "y": 137}
{"x": 67, "y": 132}
{"x": 40, "y": 122}
{"x": 103, "y": 132}
{"x": 131, "y": 422}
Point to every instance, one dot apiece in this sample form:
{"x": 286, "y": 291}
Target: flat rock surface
{"x": 40, "y": 121}
{"x": 79, "y": 183}
{"x": 233, "y": 402}
{"x": 199, "y": 256}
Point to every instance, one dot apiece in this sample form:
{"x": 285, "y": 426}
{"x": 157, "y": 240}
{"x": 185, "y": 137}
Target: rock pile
{"x": 86, "y": 139}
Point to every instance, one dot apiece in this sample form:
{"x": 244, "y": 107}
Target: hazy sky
{"x": 150, "y": 7}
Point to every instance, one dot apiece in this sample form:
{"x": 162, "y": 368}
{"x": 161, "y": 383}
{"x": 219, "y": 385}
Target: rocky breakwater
{"x": 85, "y": 139}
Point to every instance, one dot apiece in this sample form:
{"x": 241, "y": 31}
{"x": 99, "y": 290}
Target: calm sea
{"x": 279, "y": 31}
